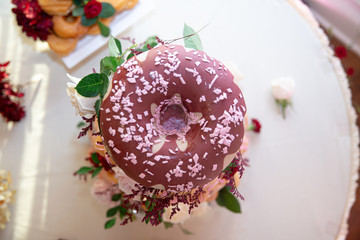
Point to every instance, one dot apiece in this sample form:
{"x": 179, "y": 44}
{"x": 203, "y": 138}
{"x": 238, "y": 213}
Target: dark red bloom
{"x": 35, "y": 23}
{"x": 350, "y": 71}
{"x": 255, "y": 125}
{"x": 9, "y": 98}
{"x": 92, "y": 9}
{"x": 340, "y": 52}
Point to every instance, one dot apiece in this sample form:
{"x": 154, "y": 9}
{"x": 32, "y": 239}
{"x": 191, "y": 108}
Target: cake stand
{"x": 302, "y": 175}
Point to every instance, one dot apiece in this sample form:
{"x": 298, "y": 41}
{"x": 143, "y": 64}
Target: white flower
{"x": 233, "y": 68}
{"x": 126, "y": 184}
{"x": 83, "y": 105}
{"x": 283, "y": 88}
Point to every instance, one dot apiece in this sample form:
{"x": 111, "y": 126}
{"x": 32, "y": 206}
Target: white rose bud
{"x": 283, "y": 88}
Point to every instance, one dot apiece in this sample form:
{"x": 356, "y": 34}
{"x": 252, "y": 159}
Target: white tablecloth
{"x": 302, "y": 176}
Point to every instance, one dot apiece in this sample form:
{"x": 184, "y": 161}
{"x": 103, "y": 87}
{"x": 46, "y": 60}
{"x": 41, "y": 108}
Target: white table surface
{"x": 298, "y": 183}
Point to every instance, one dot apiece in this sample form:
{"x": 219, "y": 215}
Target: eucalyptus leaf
{"x": 105, "y": 31}
{"x": 110, "y": 223}
{"x": 227, "y": 200}
{"x": 112, "y": 211}
{"x": 88, "y": 21}
{"x": 192, "y": 41}
{"x": 84, "y": 170}
{"x": 78, "y": 11}
{"x": 114, "y": 47}
{"x": 107, "y": 10}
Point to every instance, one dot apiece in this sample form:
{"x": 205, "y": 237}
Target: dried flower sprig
{"x": 10, "y": 107}
{"x": 6, "y": 197}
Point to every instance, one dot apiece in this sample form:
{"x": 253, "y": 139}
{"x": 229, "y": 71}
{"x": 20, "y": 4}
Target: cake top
{"x": 173, "y": 118}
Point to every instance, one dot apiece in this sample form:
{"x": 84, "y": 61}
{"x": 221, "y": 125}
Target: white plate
{"x": 89, "y": 44}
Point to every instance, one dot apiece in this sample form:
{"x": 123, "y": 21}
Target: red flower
{"x": 340, "y": 52}
{"x": 255, "y": 125}
{"x": 10, "y": 109}
{"x": 34, "y": 22}
{"x": 92, "y": 9}
{"x": 350, "y": 71}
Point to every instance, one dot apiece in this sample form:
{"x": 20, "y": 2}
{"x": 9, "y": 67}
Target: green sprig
{"x": 227, "y": 200}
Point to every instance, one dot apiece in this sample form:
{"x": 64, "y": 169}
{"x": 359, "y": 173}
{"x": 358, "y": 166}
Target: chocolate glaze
{"x": 202, "y": 161}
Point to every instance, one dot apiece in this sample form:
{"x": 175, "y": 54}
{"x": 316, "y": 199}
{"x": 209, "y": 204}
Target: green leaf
{"x": 110, "y": 223}
{"x": 97, "y": 108}
{"x": 168, "y": 225}
{"x": 151, "y": 41}
{"x": 107, "y": 64}
{"x": 94, "y": 157}
{"x": 116, "y": 197}
{"x": 78, "y": 11}
{"x": 130, "y": 56}
{"x": 227, "y": 200}
{"x": 147, "y": 203}
{"x": 123, "y": 211}
{"x": 84, "y": 170}
{"x": 88, "y": 21}
{"x": 96, "y": 172}
{"x": 112, "y": 211}
{"x": 91, "y": 85}
{"x": 81, "y": 124}
{"x": 105, "y": 31}
{"x": 105, "y": 85}
{"x": 114, "y": 47}
{"x": 107, "y": 10}
{"x": 193, "y": 41}
{"x": 77, "y": 2}
{"x": 185, "y": 231}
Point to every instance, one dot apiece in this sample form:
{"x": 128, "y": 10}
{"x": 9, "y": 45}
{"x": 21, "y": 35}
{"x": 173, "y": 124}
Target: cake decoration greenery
{"x": 10, "y": 95}
{"x": 150, "y": 202}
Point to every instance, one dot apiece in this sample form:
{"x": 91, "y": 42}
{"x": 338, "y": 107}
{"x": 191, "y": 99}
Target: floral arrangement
{"x": 62, "y": 23}
{"x": 125, "y": 197}
{"x": 6, "y": 197}
{"x": 10, "y": 107}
